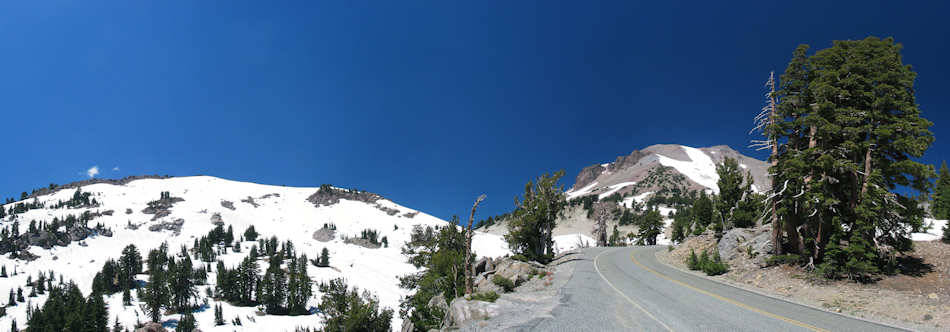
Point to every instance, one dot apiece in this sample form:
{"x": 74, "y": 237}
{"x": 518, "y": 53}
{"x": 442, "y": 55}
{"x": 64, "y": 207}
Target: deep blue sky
{"x": 428, "y": 103}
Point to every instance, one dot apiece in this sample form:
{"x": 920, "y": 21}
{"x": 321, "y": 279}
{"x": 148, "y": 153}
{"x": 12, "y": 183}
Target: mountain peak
{"x": 636, "y": 173}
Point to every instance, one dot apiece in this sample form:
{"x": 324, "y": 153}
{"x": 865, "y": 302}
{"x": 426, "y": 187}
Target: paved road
{"x": 627, "y": 289}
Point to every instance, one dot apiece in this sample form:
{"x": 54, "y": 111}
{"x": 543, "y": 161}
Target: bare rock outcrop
{"x": 754, "y": 242}
{"x": 162, "y": 207}
{"x": 325, "y": 234}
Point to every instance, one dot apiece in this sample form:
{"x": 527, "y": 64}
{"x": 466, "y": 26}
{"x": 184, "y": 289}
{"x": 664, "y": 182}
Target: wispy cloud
{"x": 115, "y": 169}
{"x": 92, "y": 171}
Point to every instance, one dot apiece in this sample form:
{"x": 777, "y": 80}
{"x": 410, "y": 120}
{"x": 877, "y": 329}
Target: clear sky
{"x": 427, "y": 103}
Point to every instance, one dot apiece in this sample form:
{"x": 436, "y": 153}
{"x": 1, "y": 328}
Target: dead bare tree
{"x": 600, "y": 229}
{"x": 763, "y": 123}
{"x": 469, "y": 268}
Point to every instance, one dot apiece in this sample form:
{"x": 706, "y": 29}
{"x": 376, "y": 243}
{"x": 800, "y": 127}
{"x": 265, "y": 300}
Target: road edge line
{"x": 596, "y": 268}
{"x": 792, "y": 301}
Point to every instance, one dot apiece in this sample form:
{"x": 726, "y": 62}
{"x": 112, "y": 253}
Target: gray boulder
{"x": 438, "y": 301}
{"x": 737, "y": 242}
{"x": 515, "y": 271}
{"x": 463, "y": 312}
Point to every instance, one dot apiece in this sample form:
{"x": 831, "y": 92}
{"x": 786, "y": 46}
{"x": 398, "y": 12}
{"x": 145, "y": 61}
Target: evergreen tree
{"x": 250, "y": 233}
{"x": 157, "y": 294}
{"x": 182, "y": 284}
{"x": 186, "y": 324}
{"x": 851, "y": 128}
{"x": 941, "y": 200}
{"x": 324, "y": 258}
{"x": 731, "y": 189}
{"x": 218, "y": 315}
{"x": 126, "y": 297}
{"x": 439, "y": 254}
{"x": 532, "y": 224}
{"x": 703, "y": 210}
{"x": 130, "y": 264}
{"x": 350, "y": 310}
{"x": 651, "y": 226}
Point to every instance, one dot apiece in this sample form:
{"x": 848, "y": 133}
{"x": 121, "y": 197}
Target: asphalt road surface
{"x": 627, "y": 289}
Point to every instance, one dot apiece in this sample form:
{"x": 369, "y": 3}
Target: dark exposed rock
{"x": 228, "y": 205}
{"x": 327, "y": 196}
{"x": 365, "y": 243}
{"x": 217, "y": 220}
{"x": 484, "y": 264}
{"x": 128, "y": 211}
{"x": 410, "y": 214}
{"x": 270, "y": 195}
{"x": 389, "y": 211}
{"x": 250, "y": 200}
{"x": 174, "y": 226}
{"x": 161, "y": 208}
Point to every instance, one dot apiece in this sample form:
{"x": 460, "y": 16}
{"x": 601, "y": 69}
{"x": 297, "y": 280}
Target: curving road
{"x": 627, "y": 289}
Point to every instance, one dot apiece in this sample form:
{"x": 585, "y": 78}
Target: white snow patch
{"x": 701, "y": 169}
{"x": 628, "y": 202}
{"x": 569, "y": 242}
{"x": 934, "y": 233}
{"x": 665, "y": 211}
{"x": 571, "y": 194}
{"x": 743, "y": 166}
{"x": 614, "y": 189}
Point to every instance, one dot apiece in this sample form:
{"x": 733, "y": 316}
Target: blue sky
{"x": 428, "y": 103}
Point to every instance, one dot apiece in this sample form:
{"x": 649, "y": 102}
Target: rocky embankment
{"x": 535, "y": 293}
{"x": 915, "y": 298}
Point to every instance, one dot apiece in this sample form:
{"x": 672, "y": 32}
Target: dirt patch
{"x": 917, "y": 298}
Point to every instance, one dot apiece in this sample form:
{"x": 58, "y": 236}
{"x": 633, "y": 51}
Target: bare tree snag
{"x": 469, "y": 268}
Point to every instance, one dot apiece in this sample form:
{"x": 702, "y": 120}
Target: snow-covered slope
{"x": 278, "y": 211}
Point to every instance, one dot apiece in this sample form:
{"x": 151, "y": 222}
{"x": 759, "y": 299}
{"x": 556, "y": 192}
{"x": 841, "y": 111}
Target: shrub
{"x": 485, "y": 297}
{"x": 505, "y": 283}
{"x": 699, "y": 230}
{"x": 520, "y": 257}
{"x": 692, "y": 262}
{"x": 711, "y": 266}
{"x": 715, "y": 266}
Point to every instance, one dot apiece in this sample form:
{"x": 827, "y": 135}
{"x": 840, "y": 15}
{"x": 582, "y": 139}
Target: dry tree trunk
{"x": 469, "y": 268}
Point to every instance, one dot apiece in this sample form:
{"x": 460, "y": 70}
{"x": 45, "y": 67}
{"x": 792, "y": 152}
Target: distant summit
{"x": 664, "y": 166}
